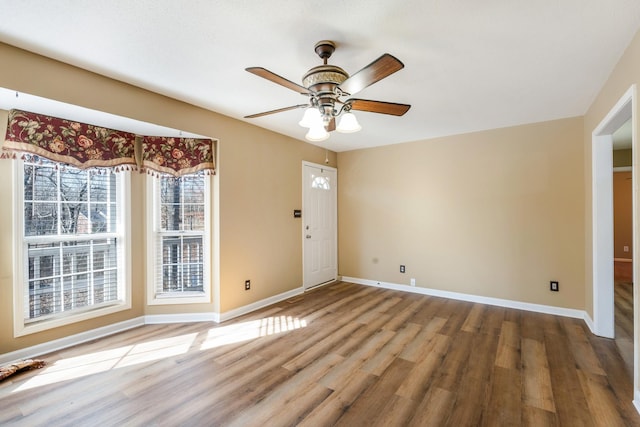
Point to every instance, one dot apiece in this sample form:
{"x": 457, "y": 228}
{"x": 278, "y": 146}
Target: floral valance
{"x": 79, "y": 144}
{"x": 87, "y": 146}
{"x": 177, "y": 156}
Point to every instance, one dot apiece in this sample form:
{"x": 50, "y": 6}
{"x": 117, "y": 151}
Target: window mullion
{"x": 179, "y": 265}
{"x": 59, "y": 202}
{"x": 157, "y": 229}
{"x": 60, "y": 284}
{"x": 87, "y": 180}
{"x": 74, "y": 275}
{"x": 60, "y": 277}
{"x": 109, "y": 201}
{"x": 70, "y": 238}
{"x": 90, "y": 275}
{"x": 36, "y": 273}
{"x": 90, "y": 272}
{"x": 182, "y": 207}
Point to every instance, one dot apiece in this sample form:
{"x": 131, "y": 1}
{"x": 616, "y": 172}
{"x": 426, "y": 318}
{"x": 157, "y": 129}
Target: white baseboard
{"x": 636, "y": 400}
{"x": 321, "y": 285}
{"x": 154, "y": 319}
{"x": 71, "y": 340}
{"x": 538, "y": 308}
{"x": 589, "y": 321}
{"x": 236, "y": 312}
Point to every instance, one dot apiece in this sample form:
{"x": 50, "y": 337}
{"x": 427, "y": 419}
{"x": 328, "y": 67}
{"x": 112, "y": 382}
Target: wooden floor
{"x": 345, "y": 355}
{"x": 623, "y": 312}
{"x": 623, "y": 271}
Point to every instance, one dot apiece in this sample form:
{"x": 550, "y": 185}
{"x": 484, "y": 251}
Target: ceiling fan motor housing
{"x": 323, "y": 81}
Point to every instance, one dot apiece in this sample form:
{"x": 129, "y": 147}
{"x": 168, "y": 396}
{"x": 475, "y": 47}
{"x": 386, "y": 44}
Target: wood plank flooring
{"x": 623, "y": 313}
{"x": 345, "y": 355}
{"x": 623, "y": 302}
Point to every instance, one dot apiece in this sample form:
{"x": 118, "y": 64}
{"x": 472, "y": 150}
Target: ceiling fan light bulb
{"x": 311, "y": 117}
{"x": 348, "y": 123}
{"x": 317, "y": 133}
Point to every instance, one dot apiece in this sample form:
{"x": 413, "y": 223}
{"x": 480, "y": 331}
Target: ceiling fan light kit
{"x": 311, "y": 116}
{"x": 348, "y": 123}
{"x": 326, "y": 84}
{"x": 317, "y": 134}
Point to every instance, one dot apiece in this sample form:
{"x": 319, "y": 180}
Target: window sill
{"x": 22, "y": 329}
{"x": 180, "y": 298}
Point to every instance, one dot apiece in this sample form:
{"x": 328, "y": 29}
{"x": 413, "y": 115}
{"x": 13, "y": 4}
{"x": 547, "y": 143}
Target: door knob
{"x": 308, "y": 236}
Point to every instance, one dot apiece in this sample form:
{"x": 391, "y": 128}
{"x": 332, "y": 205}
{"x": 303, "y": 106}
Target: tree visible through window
{"x": 71, "y": 237}
{"x": 180, "y": 234}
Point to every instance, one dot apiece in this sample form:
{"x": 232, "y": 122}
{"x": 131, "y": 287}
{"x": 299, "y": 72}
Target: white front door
{"x": 319, "y": 224}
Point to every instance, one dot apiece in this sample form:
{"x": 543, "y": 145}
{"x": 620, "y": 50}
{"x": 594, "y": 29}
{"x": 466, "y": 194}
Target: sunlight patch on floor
{"x": 250, "y": 330}
{"x": 101, "y": 361}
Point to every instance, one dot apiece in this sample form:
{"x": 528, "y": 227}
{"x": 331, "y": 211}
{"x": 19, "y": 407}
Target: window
{"x": 178, "y": 258}
{"x": 321, "y": 182}
{"x": 72, "y": 246}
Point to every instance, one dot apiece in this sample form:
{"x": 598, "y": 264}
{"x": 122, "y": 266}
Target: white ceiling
{"x": 469, "y": 65}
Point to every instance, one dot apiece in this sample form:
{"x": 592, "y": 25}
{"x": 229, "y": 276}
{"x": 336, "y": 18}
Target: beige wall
{"x": 622, "y": 215}
{"x": 497, "y": 213}
{"x": 259, "y": 186}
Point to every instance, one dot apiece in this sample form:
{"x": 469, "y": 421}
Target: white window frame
{"x": 23, "y": 326}
{"x": 153, "y": 227}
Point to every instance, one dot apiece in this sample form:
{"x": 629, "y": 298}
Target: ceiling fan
{"x": 326, "y": 85}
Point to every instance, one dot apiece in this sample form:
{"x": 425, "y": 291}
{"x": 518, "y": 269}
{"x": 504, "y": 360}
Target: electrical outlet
{"x": 247, "y": 285}
{"x": 554, "y": 286}
{"x": 625, "y": 248}
{"x": 413, "y": 281}
{"x": 402, "y": 269}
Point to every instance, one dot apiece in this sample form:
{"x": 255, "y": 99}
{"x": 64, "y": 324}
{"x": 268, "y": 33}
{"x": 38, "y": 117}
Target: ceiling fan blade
{"x": 378, "y": 106}
{"x": 377, "y": 70}
{"x": 279, "y": 110}
{"x": 266, "y": 74}
{"x": 331, "y": 126}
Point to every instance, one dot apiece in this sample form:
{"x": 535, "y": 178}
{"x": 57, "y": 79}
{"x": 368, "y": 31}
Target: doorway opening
{"x": 623, "y": 242}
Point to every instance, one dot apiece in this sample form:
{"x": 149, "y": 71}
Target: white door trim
{"x": 305, "y": 285}
{"x": 602, "y": 211}
{"x": 603, "y": 304}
